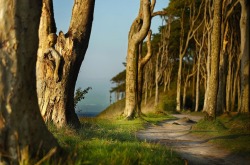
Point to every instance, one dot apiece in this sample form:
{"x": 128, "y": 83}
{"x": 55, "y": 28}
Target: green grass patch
{"x": 230, "y": 132}
{"x": 103, "y": 141}
{"x": 155, "y": 118}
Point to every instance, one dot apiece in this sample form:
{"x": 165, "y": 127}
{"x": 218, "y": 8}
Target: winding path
{"x": 197, "y": 151}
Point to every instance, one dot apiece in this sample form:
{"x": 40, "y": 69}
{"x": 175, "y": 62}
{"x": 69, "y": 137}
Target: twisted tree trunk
{"x": 138, "y": 31}
{"x": 56, "y": 98}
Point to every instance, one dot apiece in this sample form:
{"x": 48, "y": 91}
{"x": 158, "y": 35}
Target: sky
{"x": 108, "y": 43}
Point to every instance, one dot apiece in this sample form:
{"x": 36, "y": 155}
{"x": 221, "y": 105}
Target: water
{"x": 89, "y": 110}
{"x": 87, "y": 114}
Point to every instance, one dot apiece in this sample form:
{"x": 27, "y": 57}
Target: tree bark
{"x": 142, "y": 62}
{"x": 221, "y": 96}
{"x": 138, "y": 32}
{"x": 22, "y": 130}
{"x": 215, "y": 54}
{"x": 244, "y": 49}
{"x": 56, "y": 98}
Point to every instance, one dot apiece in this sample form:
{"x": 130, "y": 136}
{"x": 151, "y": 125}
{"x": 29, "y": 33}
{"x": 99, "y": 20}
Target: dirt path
{"x": 176, "y": 135}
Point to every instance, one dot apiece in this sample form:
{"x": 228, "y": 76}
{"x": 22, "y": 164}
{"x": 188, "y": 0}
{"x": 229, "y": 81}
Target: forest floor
{"x": 195, "y": 149}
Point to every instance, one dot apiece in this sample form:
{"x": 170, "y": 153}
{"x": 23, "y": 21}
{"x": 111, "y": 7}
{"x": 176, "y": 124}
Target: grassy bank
{"x": 103, "y": 141}
{"x": 230, "y": 131}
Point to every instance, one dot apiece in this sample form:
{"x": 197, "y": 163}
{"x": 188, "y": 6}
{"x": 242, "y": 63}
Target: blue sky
{"x": 108, "y": 43}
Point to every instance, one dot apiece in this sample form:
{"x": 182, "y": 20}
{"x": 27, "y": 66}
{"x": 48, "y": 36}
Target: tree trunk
{"x": 138, "y": 32}
{"x": 22, "y": 130}
{"x": 56, "y": 96}
{"x": 178, "y": 92}
{"x": 221, "y": 96}
{"x": 244, "y": 29}
{"x": 215, "y": 54}
{"x": 142, "y": 62}
{"x": 197, "y": 91}
{"x": 209, "y": 24}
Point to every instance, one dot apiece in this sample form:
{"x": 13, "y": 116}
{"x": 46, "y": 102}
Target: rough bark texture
{"x": 56, "y": 99}
{"x": 142, "y": 62}
{"x": 221, "y": 96}
{"x": 215, "y": 54}
{"x": 22, "y": 130}
{"x": 138, "y": 32}
{"x": 244, "y": 29}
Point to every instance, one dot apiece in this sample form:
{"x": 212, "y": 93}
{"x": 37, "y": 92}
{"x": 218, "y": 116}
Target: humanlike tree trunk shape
{"x": 142, "y": 62}
{"x": 244, "y": 48}
{"x": 215, "y": 54}
{"x": 56, "y": 98}
{"x": 138, "y": 31}
{"x": 22, "y": 130}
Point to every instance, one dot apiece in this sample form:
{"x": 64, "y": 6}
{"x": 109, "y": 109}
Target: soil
{"x": 193, "y": 149}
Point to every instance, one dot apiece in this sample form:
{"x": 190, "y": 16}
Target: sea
{"x": 89, "y": 110}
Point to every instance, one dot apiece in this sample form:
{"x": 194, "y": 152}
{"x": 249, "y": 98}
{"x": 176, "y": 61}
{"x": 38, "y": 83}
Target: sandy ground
{"x": 197, "y": 151}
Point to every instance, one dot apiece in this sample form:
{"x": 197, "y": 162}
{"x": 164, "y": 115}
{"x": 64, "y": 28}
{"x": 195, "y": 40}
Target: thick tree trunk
{"x": 56, "y": 98}
{"x": 138, "y": 32}
{"x": 22, "y": 130}
{"x": 244, "y": 29}
{"x": 215, "y": 54}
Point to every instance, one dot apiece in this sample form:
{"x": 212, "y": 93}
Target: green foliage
{"x": 119, "y": 79}
{"x": 80, "y": 95}
{"x": 102, "y": 141}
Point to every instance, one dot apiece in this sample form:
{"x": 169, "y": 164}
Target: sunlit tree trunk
{"x": 22, "y": 130}
{"x": 56, "y": 97}
{"x": 215, "y": 54}
{"x": 200, "y": 45}
{"x": 138, "y": 31}
{"x": 208, "y": 25}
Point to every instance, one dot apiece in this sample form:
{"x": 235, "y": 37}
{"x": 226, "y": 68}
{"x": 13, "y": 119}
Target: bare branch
{"x": 157, "y": 13}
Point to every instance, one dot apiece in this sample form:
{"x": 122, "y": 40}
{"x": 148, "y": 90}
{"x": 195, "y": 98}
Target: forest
{"x": 196, "y": 65}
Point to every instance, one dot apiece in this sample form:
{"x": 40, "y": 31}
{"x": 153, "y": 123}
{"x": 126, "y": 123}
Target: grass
{"x": 229, "y": 131}
{"x": 104, "y": 141}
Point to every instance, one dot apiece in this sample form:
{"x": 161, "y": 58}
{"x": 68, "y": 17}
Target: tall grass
{"x": 103, "y": 141}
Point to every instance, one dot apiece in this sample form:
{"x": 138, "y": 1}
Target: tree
{"x": 22, "y": 130}
{"x": 215, "y": 54}
{"x": 244, "y": 50}
{"x": 56, "y": 89}
{"x": 142, "y": 61}
{"x": 119, "y": 79}
{"x": 185, "y": 39}
{"x": 138, "y": 31}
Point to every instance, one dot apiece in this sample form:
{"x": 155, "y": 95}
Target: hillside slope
{"x": 166, "y": 104}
